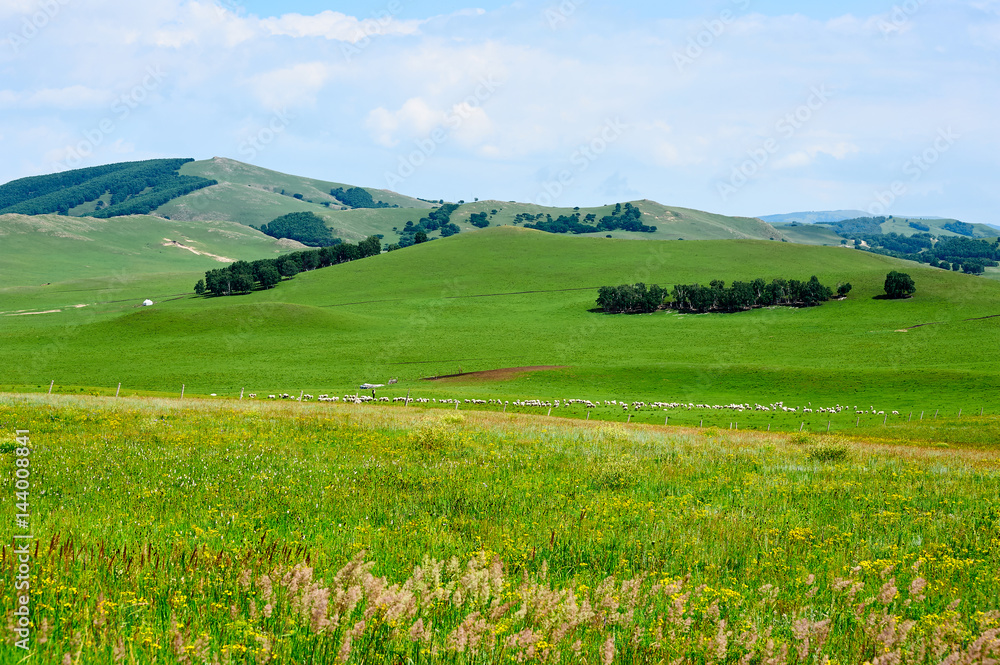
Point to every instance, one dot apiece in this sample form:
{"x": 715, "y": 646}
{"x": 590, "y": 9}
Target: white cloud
{"x": 293, "y": 86}
{"x": 413, "y": 119}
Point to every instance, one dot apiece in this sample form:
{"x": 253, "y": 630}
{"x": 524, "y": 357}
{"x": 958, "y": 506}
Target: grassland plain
{"x": 190, "y": 531}
{"x": 458, "y": 305}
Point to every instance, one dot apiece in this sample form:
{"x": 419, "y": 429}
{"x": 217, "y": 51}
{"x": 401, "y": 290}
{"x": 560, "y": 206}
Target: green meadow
{"x": 457, "y": 306}
{"x": 191, "y": 531}
{"x": 512, "y": 298}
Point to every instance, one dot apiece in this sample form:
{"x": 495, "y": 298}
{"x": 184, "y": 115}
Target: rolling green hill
{"x": 510, "y": 297}
{"x": 253, "y": 196}
{"x": 825, "y": 232}
{"x": 55, "y": 248}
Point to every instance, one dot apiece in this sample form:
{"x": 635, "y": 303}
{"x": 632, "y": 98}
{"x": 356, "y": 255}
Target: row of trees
{"x": 246, "y": 276}
{"x": 716, "y": 297}
{"x": 356, "y": 197}
{"x": 742, "y": 296}
{"x": 134, "y": 188}
{"x": 306, "y": 227}
{"x": 628, "y": 218}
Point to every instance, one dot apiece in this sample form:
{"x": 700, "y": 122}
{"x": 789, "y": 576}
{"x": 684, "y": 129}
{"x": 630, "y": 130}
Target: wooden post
{"x": 505, "y": 407}
{"x": 921, "y": 415}
{"x": 550, "y": 412}
{"x": 301, "y": 393}
{"x": 54, "y": 383}
{"x": 406, "y": 402}
{"x": 885, "y": 420}
{"x": 935, "y": 413}
{"x": 241, "y": 392}
{"x": 456, "y": 405}
{"x": 858, "y": 424}
{"x": 119, "y": 389}
{"x": 629, "y": 418}
{"x": 701, "y": 422}
{"x": 737, "y": 427}
{"x": 801, "y": 426}
{"x": 828, "y": 423}
{"x": 667, "y": 421}
{"x": 959, "y": 413}
{"x": 769, "y": 427}
{"x": 588, "y": 415}
{"x": 981, "y": 409}
{"x": 910, "y": 417}
{"x": 182, "y": 391}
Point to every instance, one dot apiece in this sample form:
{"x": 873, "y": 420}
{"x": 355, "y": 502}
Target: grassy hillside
{"x": 809, "y": 234}
{"x": 273, "y": 532}
{"x": 511, "y": 297}
{"x": 55, "y": 248}
{"x": 814, "y": 217}
{"x": 252, "y": 195}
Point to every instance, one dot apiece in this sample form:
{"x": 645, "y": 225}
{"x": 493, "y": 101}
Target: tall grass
{"x": 178, "y": 532}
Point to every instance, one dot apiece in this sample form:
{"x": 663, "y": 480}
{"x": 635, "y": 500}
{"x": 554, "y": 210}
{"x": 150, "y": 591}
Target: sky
{"x": 740, "y": 107}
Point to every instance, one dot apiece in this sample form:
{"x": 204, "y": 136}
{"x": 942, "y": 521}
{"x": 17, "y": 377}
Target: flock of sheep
{"x": 624, "y": 405}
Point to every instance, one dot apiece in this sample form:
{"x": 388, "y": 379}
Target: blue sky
{"x": 745, "y": 107}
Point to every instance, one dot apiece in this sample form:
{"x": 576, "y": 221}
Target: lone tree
{"x": 899, "y": 285}
{"x": 843, "y": 290}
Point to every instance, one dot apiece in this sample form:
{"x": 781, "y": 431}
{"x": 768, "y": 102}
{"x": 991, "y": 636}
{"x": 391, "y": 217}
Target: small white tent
{"x": 147, "y": 303}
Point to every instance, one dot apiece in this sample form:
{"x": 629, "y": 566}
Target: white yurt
{"x": 147, "y": 303}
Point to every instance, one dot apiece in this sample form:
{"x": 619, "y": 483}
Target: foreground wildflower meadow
{"x": 228, "y": 532}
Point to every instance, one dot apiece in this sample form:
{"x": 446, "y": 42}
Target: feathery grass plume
{"x": 608, "y": 651}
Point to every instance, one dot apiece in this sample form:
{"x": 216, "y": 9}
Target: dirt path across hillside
{"x": 174, "y": 243}
{"x": 941, "y": 323}
{"x": 505, "y": 374}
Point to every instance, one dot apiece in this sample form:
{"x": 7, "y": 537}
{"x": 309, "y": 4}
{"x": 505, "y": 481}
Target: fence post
{"x": 588, "y": 415}
{"x": 119, "y": 389}
{"x": 50, "y": 386}
{"x": 241, "y": 392}
{"x": 182, "y": 390}
{"x": 801, "y": 426}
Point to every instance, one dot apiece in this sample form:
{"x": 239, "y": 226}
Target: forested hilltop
{"x": 113, "y": 190}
